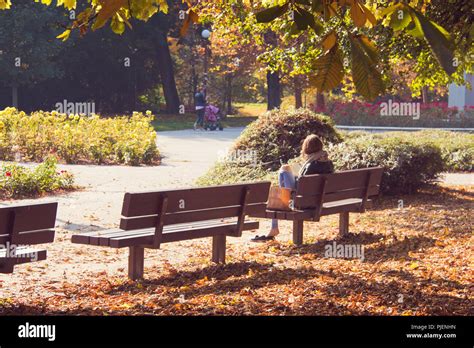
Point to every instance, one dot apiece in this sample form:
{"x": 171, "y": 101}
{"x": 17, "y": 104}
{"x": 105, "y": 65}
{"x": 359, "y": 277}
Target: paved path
{"x": 187, "y": 155}
{"x": 458, "y": 178}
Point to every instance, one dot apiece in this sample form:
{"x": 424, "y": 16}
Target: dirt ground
{"x": 418, "y": 260}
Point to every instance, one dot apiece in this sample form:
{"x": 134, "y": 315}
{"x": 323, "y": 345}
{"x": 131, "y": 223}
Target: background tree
{"x": 28, "y": 52}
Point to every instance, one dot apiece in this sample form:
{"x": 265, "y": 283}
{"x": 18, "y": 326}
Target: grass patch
{"x": 163, "y": 123}
{"x": 250, "y": 109}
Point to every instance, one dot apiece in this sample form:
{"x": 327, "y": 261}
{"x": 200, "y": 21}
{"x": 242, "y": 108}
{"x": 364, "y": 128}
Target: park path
{"x": 187, "y": 155}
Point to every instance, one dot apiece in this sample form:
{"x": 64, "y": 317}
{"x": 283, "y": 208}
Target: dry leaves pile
{"x": 418, "y": 261}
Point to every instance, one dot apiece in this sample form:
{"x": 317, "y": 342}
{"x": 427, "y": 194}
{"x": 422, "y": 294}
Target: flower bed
{"x": 17, "y": 181}
{"x": 437, "y": 115}
{"x": 77, "y": 139}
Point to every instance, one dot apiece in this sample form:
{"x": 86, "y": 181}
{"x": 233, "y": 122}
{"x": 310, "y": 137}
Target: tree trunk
{"x": 15, "y": 96}
{"x": 167, "y": 74}
{"x": 273, "y": 78}
{"x": 320, "y": 102}
{"x": 229, "y": 94}
{"x": 424, "y": 93}
{"x": 274, "y": 90}
{"x": 298, "y": 92}
{"x": 194, "y": 79}
{"x": 207, "y": 56}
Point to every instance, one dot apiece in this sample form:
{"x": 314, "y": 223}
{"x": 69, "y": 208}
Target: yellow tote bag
{"x": 279, "y": 198}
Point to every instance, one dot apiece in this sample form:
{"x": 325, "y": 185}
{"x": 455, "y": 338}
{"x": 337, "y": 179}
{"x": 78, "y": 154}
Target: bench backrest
{"x": 315, "y": 190}
{"x": 158, "y": 209}
{"x": 27, "y": 224}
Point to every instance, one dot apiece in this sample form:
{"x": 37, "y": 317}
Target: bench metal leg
{"x": 298, "y": 232}
{"x": 218, "y": 249}
{"x": 343, "y": 224}
{"x": 135, "y": 262}
{"x": 6, "y": 266}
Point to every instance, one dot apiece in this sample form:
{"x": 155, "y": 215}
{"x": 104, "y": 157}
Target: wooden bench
{"x": 153, "y": 218}
{"x": 320, "y": 195}
{"x": 22, "y": 225}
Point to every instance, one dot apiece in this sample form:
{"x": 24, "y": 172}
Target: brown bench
{"x": 153, "y": 218}
{"x": 320, "y": 195}
{"x": 22, "y": 225}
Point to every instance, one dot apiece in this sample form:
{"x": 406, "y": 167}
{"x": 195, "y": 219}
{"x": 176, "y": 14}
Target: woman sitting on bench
{"x": 315, "y": 162}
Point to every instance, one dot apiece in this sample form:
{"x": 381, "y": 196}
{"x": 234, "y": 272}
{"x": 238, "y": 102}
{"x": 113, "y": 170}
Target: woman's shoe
{"x": 262, "y": 238}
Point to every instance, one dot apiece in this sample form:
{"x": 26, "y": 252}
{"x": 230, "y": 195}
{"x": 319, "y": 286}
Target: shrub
{"x": 17, "y": 180}
{"x": 457, "y": 149}
{"x": 231, "y": 173}
{"x": 77, "y": 139}
{"x": 408, "y": 163}
{"x": 278, "y": 135}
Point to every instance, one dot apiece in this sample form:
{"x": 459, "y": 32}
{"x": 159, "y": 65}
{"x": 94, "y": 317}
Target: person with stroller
{"x": 212, "y": 118}
{"x": 200, "y": 102}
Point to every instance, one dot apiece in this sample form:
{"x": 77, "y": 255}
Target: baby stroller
{"x": 212, "y": 118}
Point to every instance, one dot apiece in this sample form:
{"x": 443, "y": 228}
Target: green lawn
{"x": 178, "y": 122}
{"x": 250, "y": 109}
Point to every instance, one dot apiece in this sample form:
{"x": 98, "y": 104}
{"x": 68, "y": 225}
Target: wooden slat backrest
{"x": 28, "y": 224}
{"x": 195, "y": 204}
{"x": 339, "y": 186}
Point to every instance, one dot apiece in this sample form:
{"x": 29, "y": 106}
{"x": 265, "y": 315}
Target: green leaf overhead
{"x": 367, "y": 79}
{"x": 438, "y": 40}
{"x": 269, "y": 14}
{"x": 328, "y": 70}
{"x": 400, "y": 19}
{"x": 304, "y": 19}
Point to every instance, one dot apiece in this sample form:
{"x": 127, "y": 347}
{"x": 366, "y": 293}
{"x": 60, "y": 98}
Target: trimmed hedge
{"x": 408, "y": 164}
{"x": 278, "y": 135}
{"x": 457, "y": 148}
{"x": 223, "y": 173}
{"x": 410, "y": 159}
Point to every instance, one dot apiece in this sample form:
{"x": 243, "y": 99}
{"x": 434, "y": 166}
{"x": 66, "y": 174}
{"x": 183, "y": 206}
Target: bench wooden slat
{"x": 346, "y": 205}
{"x": 23, "y": 255}
{"x": 340, "y": 181}
{"x": 140, "y": 204}
{"x": 202, "y": 232}
{"x": 31, "y": 237}
{"x": 29, "y": 217}
{"x": 189, "y": 216}
{"x": 103, "y": 237}
{"x": 85, "y": 238}
{"x": 103, "y": 240}
{"x": 308, "y": 201}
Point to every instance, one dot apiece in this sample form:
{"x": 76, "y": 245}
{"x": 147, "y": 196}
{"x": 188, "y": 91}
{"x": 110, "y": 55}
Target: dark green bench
{"x": 153, "y": 218}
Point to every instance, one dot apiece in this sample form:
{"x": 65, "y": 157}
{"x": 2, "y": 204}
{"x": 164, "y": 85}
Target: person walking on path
{"x": 200, "y": 102}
